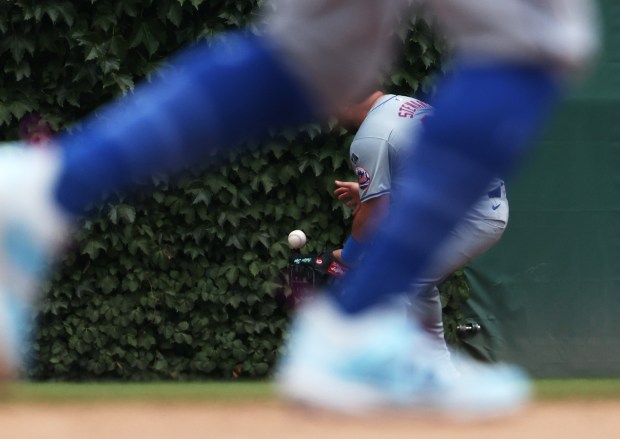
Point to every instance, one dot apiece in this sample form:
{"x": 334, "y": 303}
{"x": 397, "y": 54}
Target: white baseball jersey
{"x": 386, "y": 137}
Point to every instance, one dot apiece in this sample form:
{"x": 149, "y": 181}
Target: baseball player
{"x": 379, "y": 154}
{"x": 512, "y": 59}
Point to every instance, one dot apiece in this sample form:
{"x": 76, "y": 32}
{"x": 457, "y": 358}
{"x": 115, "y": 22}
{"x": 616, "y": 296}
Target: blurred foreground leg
{"x": 377, "y": 360}
{"x": 32, "y": 232}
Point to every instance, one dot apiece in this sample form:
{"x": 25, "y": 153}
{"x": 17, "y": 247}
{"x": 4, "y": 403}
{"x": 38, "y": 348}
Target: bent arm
{"x": 371, "y": 213}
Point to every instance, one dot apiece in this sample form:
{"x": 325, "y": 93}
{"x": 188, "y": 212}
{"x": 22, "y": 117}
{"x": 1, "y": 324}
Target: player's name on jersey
{"x": 409, "y": 108}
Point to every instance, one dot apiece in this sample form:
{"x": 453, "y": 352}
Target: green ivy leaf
{"x": 126, "y": 213}
{"x": 93, "y": 247}
{"x": 144, "y": 35}
{"x": 175, "y": 14}
{"x": 108, "y": 284}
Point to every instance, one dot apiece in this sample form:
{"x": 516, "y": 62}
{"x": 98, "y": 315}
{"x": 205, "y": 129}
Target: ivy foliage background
{"x": 183, "y": 280}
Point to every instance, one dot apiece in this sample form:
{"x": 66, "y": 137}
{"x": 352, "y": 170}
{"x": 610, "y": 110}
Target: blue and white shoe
{"x": 379, "y": 361}
{"x": 32, "y": 232}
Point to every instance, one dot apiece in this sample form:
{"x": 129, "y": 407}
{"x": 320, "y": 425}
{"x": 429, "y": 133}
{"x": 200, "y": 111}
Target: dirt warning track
{"x": 269, "y": 420}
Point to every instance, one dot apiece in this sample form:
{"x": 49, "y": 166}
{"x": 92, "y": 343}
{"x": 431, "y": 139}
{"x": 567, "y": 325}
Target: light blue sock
{"x": 485, "y": 119}
{"x": 207, "y": 99}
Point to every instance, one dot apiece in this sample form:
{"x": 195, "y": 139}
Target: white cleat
{"x": 32, "y": 232}
{"x": 377, "y": 361}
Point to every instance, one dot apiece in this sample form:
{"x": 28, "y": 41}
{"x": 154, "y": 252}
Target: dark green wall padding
{"x": 548, "y": 296}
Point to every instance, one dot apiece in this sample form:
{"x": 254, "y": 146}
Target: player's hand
{"x": 337, "y": 254}
{"x": 348, "y": 190}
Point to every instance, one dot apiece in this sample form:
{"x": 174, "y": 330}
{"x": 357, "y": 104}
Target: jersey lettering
{"x": 409, "y": 108}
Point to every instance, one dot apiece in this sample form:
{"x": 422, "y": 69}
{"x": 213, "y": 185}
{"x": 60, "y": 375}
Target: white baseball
{"x": 296, "y": 239}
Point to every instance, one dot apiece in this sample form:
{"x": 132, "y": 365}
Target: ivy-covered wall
{"x": 183, "y": 279}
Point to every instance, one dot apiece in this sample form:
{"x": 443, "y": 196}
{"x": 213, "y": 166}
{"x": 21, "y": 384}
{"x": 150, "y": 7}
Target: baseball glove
{"x": 307, "y": 273}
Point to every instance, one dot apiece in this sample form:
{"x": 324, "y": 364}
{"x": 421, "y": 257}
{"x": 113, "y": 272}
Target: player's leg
{"x": 481, "y": 229}
{"x": 487, "y": 112}
{"x": 449, "y": 171}
{"x": 32, "y": 229}
{"x": 486, "y": 115}
{"x": 209, "y": 97}
{"x": 215, "y": 96}
{"x": 424, "y": 306}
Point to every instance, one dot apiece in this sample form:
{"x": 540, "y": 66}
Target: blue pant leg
{"x": 208, "y": 98}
